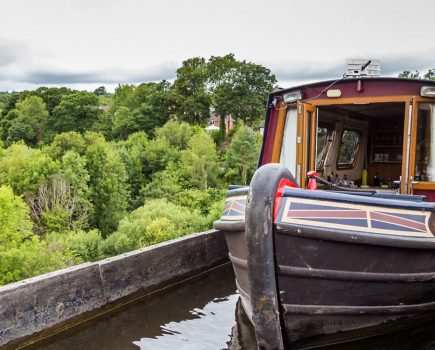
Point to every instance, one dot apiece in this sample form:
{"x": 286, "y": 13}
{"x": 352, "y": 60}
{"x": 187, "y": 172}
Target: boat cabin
{"x": 357, "y": 132}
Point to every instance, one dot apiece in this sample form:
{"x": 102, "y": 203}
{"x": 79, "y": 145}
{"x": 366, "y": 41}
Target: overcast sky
{"x": 88, "y": 43}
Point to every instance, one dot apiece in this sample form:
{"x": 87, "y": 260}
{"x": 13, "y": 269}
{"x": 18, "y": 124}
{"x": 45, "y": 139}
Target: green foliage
{"x": 191, "y": 99}
{"x": 31, "y": 258}
{"x": 195, "y": 199}
{"x": 430, "y": 74}
{"x": 24, "y": 168}
{"x": 158, "y": 220}
{"x": 21, "y": 253}
{"x": 64, "y": 142}
{"x": 15, "y": 224}
{"x": 133, "y": 155}
{"x": 67, "y": 202}
{"x": 51, "y": 96}
{"x": 86, "y": 245}
{"x": 108, "y": 186}
{"x": 177, "y": 134}
{"x": 100, "y": 91}
{"x": 159, "y": 155}
{"x": 55, "y": 207}
{"x": 201, "y": 162}
{"x": 239, "y": 88}
{"x": 27, "y": 122}
{"x": 75, "y": 112}
{"x": 242, "y": 155}
{"x": 141, "y": 108}
{"x": 124, "y": 123}
{"x": 165, "y": 184}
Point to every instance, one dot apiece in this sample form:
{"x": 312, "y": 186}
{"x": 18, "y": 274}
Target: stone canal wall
{"x": 65, "y": 297}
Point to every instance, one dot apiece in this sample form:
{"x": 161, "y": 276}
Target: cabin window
{"x": 425, "y": 143}
{"x": 288, "y": 148}
{"x": 348, "y": 149}
{"x": 324, "y": 141}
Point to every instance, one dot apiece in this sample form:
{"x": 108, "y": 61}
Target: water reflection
{"x": 210, "y": 329}
{"x": 177, "y": 308}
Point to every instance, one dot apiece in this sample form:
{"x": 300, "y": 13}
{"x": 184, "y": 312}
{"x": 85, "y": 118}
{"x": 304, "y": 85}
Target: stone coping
{"x": 38, "y": 304}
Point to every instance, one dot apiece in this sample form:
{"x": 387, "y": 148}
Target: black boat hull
{"x": 362, "y": 285}
{"x": 305, "y": 280}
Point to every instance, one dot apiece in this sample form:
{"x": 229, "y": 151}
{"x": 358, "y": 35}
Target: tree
{"x": 242, "y": 155}
{"x": 430, "y": 74}
{"x": 133, "y": 153}
{"x": 192, "y": 101}
{"x": 159, "y": 154}
{"x": 239, "y": 88}
{"x": 100, "y": 91}
{"x": 28, "y": 123}
{"x": 15, "y": 224}
{"x": 51, "y": 96}
{"x": 108, "y": 186}
{"x": 159, "y": 220}
{"x": 410, "y": 75}
{"x": 55, "y": 207}
{"x": 177, "y": 134}
{"x": 24, "y": 168}
{"x": 200, "y": 161}
{"x": 22, "y": 254}
{"x": 76, "y": 112}
{"x": 141, "y": 108}
{"x": 124, "y": 122}
{"x": 64, "y": 142}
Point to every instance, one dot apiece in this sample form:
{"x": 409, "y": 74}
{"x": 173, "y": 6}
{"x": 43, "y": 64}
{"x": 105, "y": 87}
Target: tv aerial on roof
{"x": 357, "y": 67}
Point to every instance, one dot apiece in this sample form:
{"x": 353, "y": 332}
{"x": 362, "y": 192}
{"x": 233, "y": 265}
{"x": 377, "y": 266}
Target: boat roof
{"x": 403, "y": 86}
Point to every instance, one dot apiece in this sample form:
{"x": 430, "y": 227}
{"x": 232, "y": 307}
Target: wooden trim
{"x": 276, "y": 153}
{"x": 405, "y": 154}
{"x": 423, "y": 185}
{"x": 360, "y": 100}
{"x": 420, "y": 99}
{"x": 299, "y": 138}
{"x": 313, "y": 138}
{"x": 412, "y": 148}
{"x": 304, "y": 146}
{"x": 307, "y": 149}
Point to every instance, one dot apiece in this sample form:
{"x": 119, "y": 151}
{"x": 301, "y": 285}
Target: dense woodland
{"x": 84, "y": 176}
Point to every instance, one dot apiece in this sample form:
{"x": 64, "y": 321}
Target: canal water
{"x": 201, "y": 314}
{"x": 197, "y": 315}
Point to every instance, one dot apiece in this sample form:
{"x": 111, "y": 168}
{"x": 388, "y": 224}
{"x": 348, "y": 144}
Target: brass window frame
{"x": 351, "y": 165}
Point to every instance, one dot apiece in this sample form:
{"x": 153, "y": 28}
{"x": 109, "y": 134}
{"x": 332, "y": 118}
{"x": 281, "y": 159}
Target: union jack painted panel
{"x": 234, "y": 208}
{"x": 355, "y": 217}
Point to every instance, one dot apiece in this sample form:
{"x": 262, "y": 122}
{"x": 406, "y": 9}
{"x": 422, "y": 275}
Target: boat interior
{"x": 354, "y": 137}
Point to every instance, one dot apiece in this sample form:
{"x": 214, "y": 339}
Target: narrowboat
{"x": 334, "y": 237}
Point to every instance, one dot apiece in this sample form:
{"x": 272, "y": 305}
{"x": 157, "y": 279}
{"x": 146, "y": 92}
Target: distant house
{"x": 215, "y": 122}
{"x": 104, "y": 108}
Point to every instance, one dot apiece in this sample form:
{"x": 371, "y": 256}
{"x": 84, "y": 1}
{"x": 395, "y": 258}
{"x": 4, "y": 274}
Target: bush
{"x": 116, "y": 243}
{"x": 24, "y": 168}
{"x": 159, "y": 220}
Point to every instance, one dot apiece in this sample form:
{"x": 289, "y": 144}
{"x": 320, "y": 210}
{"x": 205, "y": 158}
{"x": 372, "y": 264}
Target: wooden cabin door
{"x": 421, "y": 178}
{"x": 306, "y": 141}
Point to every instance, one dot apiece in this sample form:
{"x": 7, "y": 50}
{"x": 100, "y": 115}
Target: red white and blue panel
{"x": 234, "y": 208}
{"x": 355, "y": 217}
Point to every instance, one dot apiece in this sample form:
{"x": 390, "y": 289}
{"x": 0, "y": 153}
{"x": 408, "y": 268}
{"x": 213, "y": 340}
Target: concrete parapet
{"x": 58, "y": 298}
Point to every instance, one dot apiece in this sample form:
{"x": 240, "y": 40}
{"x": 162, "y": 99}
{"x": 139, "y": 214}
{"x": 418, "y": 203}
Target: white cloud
{"x": 108, "y": 41}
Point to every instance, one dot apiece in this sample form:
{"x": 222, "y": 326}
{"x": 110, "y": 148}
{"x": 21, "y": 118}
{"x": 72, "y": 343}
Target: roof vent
{"x": 356, "y": 67}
